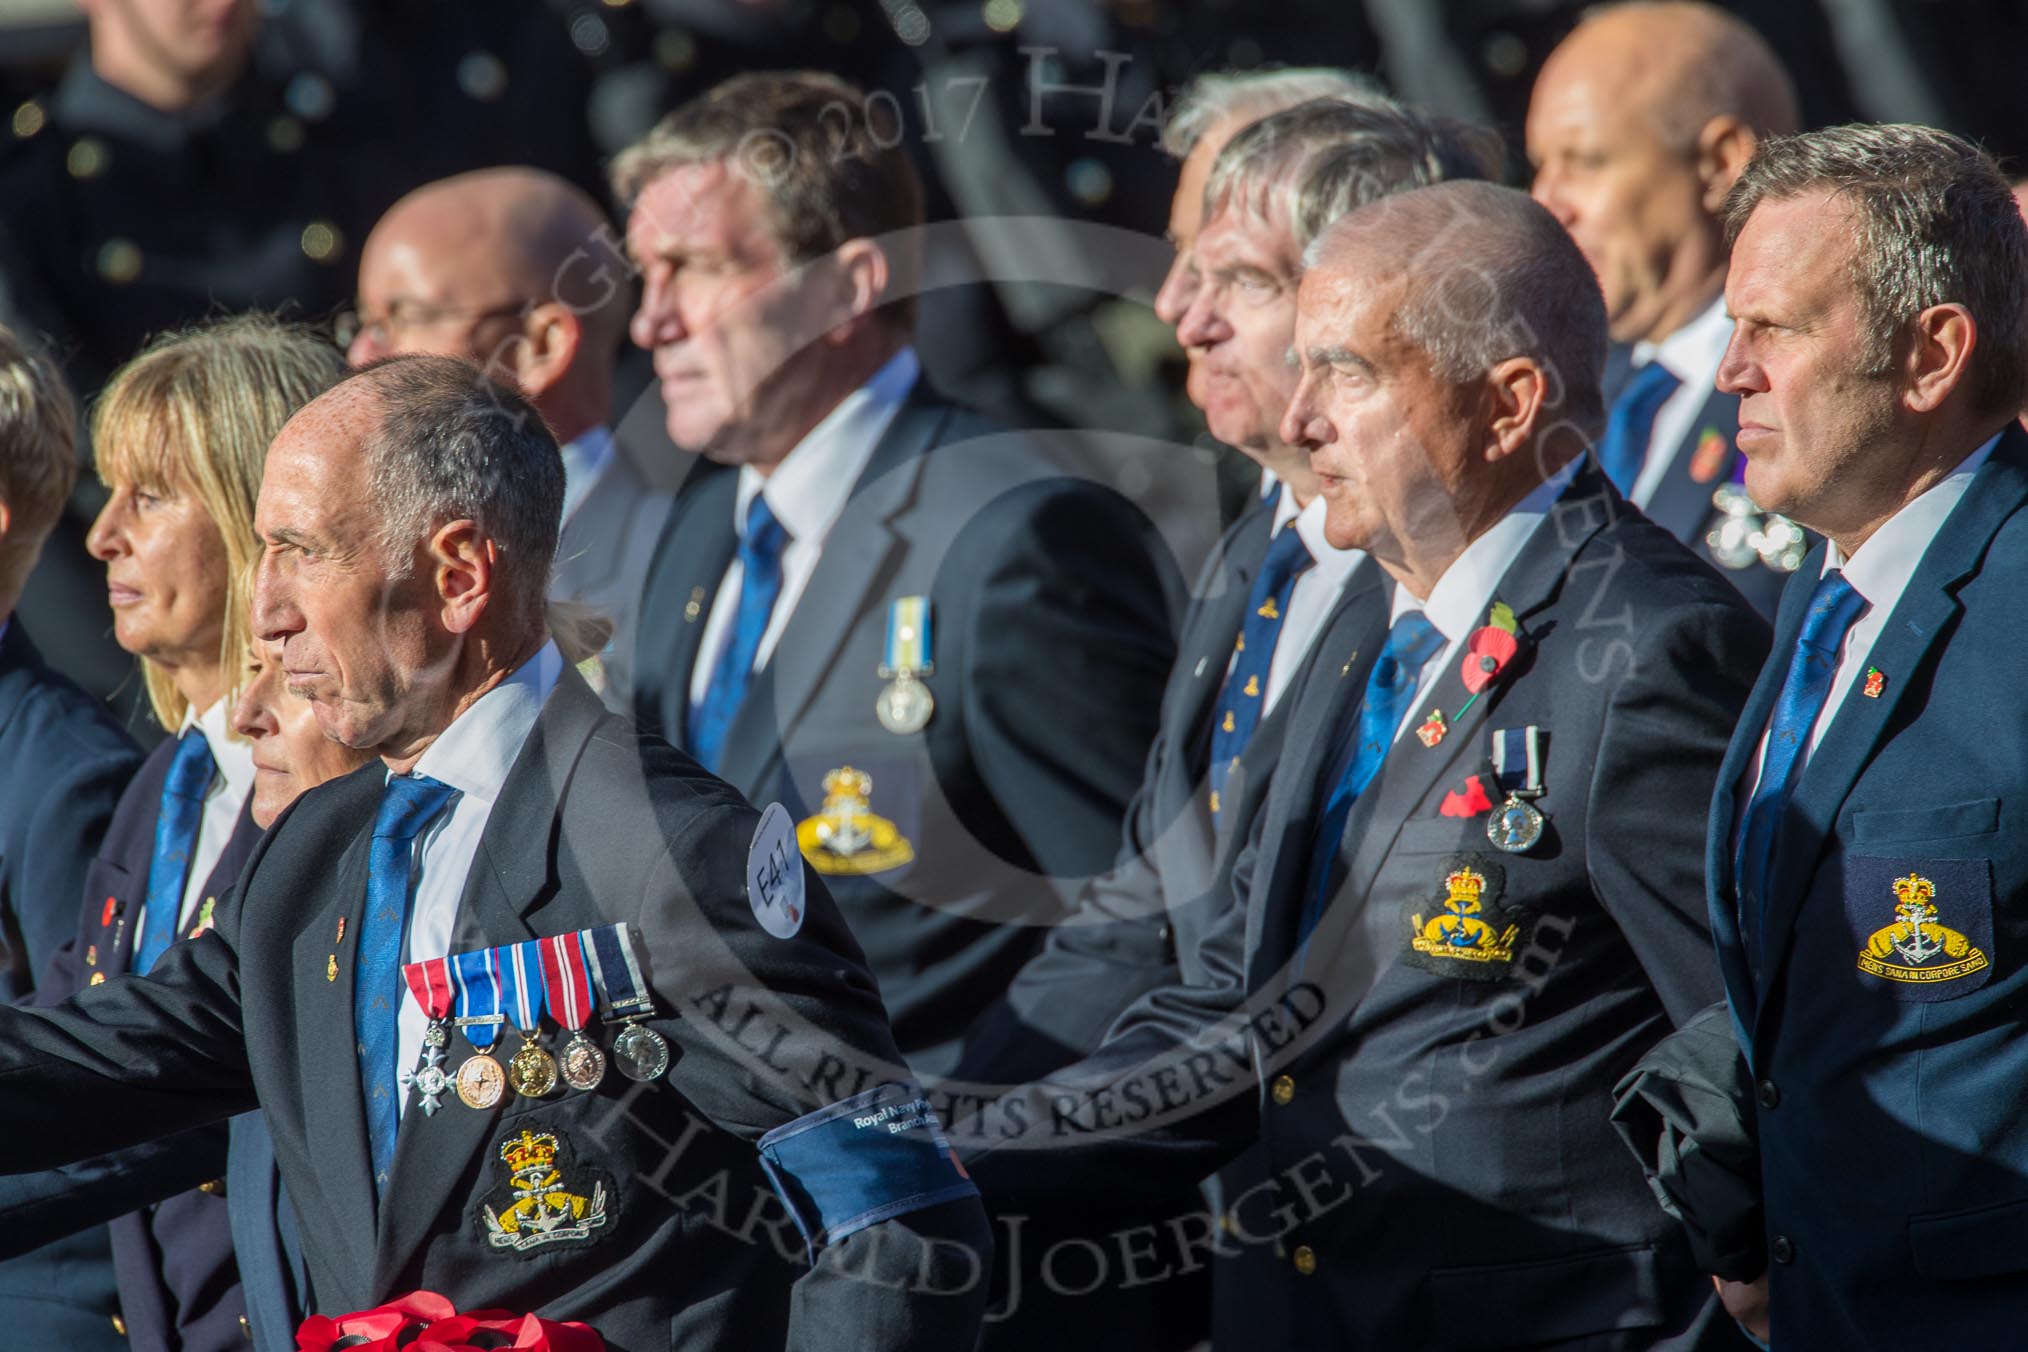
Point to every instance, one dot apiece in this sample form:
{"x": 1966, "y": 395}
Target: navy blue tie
{"x": 176, "y": 823}
{"x": 1244, "y": 695}
{"x": 1834, "y": 605}
{"x": 405, "y": 808}
{"x": 1411, "y": 643}
{"x": 1632, "y": 422}
{"x": 760, "y": 585}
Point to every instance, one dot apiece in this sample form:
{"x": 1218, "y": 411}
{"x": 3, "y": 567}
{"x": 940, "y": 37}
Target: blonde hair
{"x": 195, "y": 412}
{"x": 38, "y": 456}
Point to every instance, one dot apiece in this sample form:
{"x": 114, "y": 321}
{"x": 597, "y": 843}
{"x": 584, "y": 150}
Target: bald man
{"x": 1639, "y": 122}
{"x": 520, "y": 272}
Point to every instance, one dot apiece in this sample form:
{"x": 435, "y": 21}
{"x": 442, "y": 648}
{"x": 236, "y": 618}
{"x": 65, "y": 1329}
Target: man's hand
{"x": 1746, "y": 1302}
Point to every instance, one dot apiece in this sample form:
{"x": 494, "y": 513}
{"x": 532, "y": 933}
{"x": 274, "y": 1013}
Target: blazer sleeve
{"x": 1665, "y": 735}
{"x": 40, "y": 1208}
{"x": 1068, "y": 645}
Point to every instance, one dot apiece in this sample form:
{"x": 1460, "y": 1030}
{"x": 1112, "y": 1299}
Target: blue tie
{"x": 176, "y": 823}
{"x": 406, "y": 807}
{"x": 1411, "y": 643}
{"x": 760, "y": 557}
{"x": 1245, "y": 692}
{"x": 1632, "y": 422}
{"x": 1834, "y": 605}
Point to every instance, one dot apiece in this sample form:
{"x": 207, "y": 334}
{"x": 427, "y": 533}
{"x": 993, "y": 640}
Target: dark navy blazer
{"x": 1890, "y": 1067}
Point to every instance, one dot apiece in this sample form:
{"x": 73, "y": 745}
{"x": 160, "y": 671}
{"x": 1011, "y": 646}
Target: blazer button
{"x": 1305, "y": 1259}
{"x": 1782, "y": 1250}
{"x": 1283, "y": 1089}
{"x": 119, "y": 1326}
{"x": 1770, "y": 1097}
{"x": 245, "y": 1329}
{"x": 213, "y": 1187}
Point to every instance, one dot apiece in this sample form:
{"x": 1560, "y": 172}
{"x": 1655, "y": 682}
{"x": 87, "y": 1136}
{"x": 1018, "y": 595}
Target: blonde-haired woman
{"x": 180, "y": 435}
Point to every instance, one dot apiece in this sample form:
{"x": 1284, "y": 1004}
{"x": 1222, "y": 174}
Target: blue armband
{"x": 859, "y": 1162}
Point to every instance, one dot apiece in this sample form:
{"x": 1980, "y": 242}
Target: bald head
{"x": 515, "y": 269}
{"x": 1639, "y": 123}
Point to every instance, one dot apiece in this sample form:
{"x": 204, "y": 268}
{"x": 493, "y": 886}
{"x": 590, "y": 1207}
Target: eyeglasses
{"x": 402, "y": 316}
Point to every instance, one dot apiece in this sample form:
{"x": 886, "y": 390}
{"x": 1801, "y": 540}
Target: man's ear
{"x": 551, "y": 336}
{"x": 1517, "y": 391}
{"x": 1724, "y": 145}
{"x": 1939, "y": 355}
{"x": 464, "y": 565}
{"x": 861, "y": 269}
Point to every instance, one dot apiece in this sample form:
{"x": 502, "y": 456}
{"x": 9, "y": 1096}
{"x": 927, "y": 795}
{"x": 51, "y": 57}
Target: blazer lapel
{"x": 1216, "y": 619}
{"x": 697, "y": 546}
{"x": 511, "y": 873}
{"x": 1928, "y": 609}
{"x": 852, "y": 571}
{"x": 1682, "y": 500}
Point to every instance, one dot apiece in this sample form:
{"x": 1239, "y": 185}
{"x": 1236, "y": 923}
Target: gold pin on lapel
{"x": 1346, "y": 670}
{"x": 694, "y": 606}
{"x": 331, "y": 968}
{"x": 341, "y": 931}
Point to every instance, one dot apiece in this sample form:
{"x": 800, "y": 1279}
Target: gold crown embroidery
{"x": 1917, "y": 936}
{"x": 1461, "y": 932}
{"x": 847, "y": 837}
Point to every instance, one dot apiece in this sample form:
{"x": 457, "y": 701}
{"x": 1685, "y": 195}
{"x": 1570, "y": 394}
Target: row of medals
{"x": 638, "y": 1051}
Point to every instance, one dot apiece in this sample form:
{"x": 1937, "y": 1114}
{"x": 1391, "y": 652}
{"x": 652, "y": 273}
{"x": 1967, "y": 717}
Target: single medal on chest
{"x": 531, "y": 1071}
{"x": 566, "y": 991}
{"x": 429, "y": 983}
{"x": 639, "y": 1051}
{"x": 1515, "y": 826}
{"x": 481, "y": 1082}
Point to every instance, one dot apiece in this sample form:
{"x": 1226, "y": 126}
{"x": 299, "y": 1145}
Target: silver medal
{"x": 640, "y": 1053}
{"x": 905, "y": 705}
{"x": 1515, "y": 826}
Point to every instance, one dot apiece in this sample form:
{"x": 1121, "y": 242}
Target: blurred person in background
{"x": 182, "y": 433}
{"x": 1639, "y": 123}
{"x": 519, "y": 272}
{"x": 63, "y": 764}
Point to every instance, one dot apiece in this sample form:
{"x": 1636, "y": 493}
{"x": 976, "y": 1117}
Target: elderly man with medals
{"x": 544, "y": 865}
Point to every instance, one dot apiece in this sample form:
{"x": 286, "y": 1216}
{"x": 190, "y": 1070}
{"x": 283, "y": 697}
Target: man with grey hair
{"x": 1210, "y": 110}
{"x": 1868, "y": 853}
{"x": 519, "y": 857}
{"x": 1470, "y": 893}
{"x": 1639, "y": 122}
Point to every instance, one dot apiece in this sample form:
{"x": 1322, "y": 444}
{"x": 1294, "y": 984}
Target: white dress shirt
{"x": 1458, "y": 603}
{"x": 1311, "y": 600}
{"x": 585, "y": 458}
{"x": 807, "y": 493}
{"x": 232, "y": 780}
{"x": 473, "y": 756}
{"x": 1692, "y": 354}
{"x": 1880, "y": 572}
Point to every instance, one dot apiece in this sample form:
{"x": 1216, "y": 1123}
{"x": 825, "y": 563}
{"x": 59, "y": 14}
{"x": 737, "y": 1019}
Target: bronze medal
{"x": 481, "y": 1082}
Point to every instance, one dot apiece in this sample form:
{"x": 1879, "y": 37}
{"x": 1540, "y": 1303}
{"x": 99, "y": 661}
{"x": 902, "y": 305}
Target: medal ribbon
{"x": 477, "y": 976}
{"x": 430, "y": 983}
{"x": 566, "y": 982}
{"x": 521, "y": 985}
{"x": 1517, "y": 760}
{"x": 908, "y": 637}
{"x": 617, "y": 972}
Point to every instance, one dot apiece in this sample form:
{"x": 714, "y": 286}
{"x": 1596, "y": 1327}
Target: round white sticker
{"x": 774, "y": 874}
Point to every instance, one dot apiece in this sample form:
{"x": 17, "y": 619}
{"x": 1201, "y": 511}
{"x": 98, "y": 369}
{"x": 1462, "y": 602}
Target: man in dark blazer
{"x": 1466, "y": 890}
{"x": 63, "y": 763}
{"x": 1866, "y": 833}
{"x": 940, "y": 644}
{"x": 1638, "y": 123}
{"x": 413, "y": 619}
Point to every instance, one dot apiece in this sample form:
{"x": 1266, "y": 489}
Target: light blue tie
{"x": 1834, "y": 606}
{"x": 1411, "y": 643}
{"x": 405, "y": 808}
{"x": 1632, "y": 422}
{"x": 1245, "y": 692}
{"x": 176, "y": 823}
{"x": 760, "y": 585}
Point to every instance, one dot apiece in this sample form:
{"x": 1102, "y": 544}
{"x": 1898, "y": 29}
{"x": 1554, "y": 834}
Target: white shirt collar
{"x": 1457, "y": 603}
{"x": 1881, "y": 570}
{"x": 232, "y": 756}
{"x": 1332, "y": 566}
{"x": 1286, "y": 511}
{"x": 1269, "y": 482}
{"x": 475, "y": 752}
{"x": 585, "y": 457}
{"x": 808, "y": 490}
{"x": 1693, "y": 352}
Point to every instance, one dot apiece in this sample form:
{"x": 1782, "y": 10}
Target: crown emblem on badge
{"x": 1914, "y": 892}
{"x": 848, "y": 837}
{"x": 1466, "y": 886}
{"x": 528, "y": 1151}
{"x": 1917, "y": 935}
{"x": 1460, "y": 931}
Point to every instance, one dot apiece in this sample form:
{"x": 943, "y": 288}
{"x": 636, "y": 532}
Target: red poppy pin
{"x": 1709, "y": 457}
{"x": 1876, "y": 681}
{"x": 112, "y": 908}
{"x": 1470, "y": 803}
{"x": 1490, "y": 648}
{"x": 1433, "y": 728}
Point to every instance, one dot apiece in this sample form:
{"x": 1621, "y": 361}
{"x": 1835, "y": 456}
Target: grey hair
{"x": 1313, "y": 163}
{"x": 452, "y": 444}
{"x": 1488, "y": 275}
{"x": 1935, "y": 223}
{"x": 1244, "y": 96}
